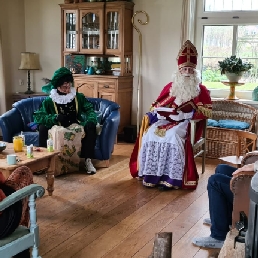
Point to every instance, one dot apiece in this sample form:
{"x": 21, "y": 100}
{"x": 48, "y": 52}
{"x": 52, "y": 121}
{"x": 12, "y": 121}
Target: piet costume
{"x": 67, "y": 110}
{"x": 163, "y": 154}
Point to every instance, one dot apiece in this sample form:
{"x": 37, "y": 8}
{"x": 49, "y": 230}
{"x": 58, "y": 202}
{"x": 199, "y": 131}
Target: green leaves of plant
{"x": 234, "y": 65}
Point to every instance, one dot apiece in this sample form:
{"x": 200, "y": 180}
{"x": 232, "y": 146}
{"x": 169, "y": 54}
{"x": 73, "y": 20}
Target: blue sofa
{"x": 16, "y": 120}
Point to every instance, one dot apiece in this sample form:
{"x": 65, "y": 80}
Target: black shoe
{"x": 163, "y": 188}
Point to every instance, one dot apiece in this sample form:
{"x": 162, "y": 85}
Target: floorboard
{"x": 110, "y": 214}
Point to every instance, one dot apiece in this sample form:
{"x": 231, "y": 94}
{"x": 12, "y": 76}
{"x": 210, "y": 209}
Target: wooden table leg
{"x": 50, "y": 177}
{"x": 50, "y": 182}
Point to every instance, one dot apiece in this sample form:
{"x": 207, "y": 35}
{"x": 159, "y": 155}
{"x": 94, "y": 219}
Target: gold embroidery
{"x": 160, "y": 132}
{"x": 205, "y": 111}
{"x": 168, "y": 184}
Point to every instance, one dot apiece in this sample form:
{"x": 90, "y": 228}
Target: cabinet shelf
{"x": 113, "y": 32}
{"x": 91, "y": 33}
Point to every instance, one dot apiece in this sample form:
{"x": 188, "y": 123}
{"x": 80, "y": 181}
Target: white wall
{"x": 161, "y": 43}
{"x": 43, "y": 36}
{"x": 12, "y": 32}
{"x": 41, "y": 23}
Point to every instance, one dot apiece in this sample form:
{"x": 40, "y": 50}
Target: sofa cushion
{"x": 31, "y": 138}
{"x": 212, "y": 122}
{"x": 104, "y": 106}
{"x": 233, "y": 124}
{"x": 229, "y": 124}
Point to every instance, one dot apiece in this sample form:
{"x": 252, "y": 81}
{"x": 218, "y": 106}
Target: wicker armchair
{"x": 221, "y": 141}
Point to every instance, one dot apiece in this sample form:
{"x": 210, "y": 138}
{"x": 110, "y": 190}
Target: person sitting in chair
{"x": 18, "y": 213}
{"x": 64, "y": 107}
{"x": 221, "y": 204}
{"x": 163, "y": 154}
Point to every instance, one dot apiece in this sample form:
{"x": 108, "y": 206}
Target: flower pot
{"x": 255, "y": 94}
{"x": 232, "y": 77}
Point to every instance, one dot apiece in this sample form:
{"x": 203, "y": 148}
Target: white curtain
{"x": 2, "y": 81}
{"x": 188, "y": 21}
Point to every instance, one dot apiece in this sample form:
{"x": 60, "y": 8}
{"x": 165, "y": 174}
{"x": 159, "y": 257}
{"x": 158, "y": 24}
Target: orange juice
{"x": 17, "y": 143}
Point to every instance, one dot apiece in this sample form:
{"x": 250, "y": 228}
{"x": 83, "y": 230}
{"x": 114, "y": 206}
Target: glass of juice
{"x": 17, "y": 143}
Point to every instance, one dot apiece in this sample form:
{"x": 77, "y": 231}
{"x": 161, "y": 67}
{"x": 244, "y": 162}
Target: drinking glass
{"x": 17, "y": 143}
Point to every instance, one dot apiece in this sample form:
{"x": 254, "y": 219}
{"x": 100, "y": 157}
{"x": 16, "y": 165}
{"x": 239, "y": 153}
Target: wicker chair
{"x": 221, "y": 141}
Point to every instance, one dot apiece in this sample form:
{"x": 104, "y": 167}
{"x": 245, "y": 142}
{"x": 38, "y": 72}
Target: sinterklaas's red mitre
{"x": 187, "y": 56}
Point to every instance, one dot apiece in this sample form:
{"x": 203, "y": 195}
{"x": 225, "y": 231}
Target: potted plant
{"x": 234, "y": 67}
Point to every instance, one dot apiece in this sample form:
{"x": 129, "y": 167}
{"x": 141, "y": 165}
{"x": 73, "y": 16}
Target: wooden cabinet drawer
{"x": 106, "y": 85}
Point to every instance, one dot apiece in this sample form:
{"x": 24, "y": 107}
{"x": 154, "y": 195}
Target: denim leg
{"x": 220, "y": 204}
{"x": 225, "y": 169}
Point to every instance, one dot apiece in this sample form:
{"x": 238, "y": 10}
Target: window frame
{"x": 221, "y": 18}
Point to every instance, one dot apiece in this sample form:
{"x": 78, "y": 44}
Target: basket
{"x": 222, "y": 142}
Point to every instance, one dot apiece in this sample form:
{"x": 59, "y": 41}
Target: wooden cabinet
{"x": 114, "y": 88}
{"x": 101, "y": 30}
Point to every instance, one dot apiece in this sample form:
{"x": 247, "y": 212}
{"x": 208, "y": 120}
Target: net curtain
{"x": 188, "y": 21}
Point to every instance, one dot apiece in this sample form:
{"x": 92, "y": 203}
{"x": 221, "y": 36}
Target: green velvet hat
{"x": 58, "y": 74}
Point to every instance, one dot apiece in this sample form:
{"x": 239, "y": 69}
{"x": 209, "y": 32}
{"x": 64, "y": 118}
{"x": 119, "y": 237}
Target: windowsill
{"x": 244, "y": 96}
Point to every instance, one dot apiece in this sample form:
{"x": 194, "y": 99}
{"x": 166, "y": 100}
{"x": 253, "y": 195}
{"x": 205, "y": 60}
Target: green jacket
{"x": 47, "y": 113}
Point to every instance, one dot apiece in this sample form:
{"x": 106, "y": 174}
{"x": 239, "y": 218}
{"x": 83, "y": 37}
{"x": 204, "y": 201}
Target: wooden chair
{"x": 199, "y": 147}
{"x": 246, "y": 143}
{"x": 22, "y": 238}
{"x": 240, "y": 186}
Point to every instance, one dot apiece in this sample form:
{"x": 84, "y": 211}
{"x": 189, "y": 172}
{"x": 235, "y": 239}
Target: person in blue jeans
{"x": 220, "y": 204}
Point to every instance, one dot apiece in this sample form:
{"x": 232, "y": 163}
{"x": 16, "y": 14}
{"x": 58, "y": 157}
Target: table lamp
{"x": 29, "y": 61}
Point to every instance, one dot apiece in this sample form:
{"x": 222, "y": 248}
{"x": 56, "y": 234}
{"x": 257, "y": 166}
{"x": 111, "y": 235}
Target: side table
{"x": 42, "y": 160}
{"x": 20, "y": 95}
{"x": 232, "y": 85}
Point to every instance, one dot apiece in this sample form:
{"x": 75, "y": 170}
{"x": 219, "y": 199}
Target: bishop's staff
{"x": 139, "y": 81}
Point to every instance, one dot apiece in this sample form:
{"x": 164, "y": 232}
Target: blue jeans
{"x": 220, "y": 201}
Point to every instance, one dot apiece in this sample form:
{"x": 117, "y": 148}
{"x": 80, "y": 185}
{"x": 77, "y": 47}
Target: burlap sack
{"x": 68, "y": 142}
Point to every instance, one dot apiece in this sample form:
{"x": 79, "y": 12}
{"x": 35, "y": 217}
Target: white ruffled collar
{"x": 62, "y": 99}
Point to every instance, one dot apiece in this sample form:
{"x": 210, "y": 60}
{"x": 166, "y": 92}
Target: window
{"x": 230, "y": 5}
{"x": 225, "y": 28}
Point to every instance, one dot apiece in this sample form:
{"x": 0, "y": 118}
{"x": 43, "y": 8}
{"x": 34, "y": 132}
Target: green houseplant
{"x": 234, "y": 66}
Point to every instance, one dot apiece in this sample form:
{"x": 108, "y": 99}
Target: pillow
{"x": 33, "y": 126}
{"x": 212, "y": 122}
{"x": 233, "y": 124}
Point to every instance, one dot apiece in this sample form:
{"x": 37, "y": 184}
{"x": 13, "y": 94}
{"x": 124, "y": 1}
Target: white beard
{"x": 185, "y": 88}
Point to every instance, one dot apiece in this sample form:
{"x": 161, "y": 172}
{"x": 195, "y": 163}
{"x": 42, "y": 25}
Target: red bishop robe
{"x": 202, "y": 110}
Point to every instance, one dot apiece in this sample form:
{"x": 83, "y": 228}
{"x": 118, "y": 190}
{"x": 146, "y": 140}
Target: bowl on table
{"x": 2, "y": 146}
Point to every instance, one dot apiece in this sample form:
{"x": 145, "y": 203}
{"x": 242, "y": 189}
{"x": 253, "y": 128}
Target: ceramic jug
{"x": 91, "y": 70}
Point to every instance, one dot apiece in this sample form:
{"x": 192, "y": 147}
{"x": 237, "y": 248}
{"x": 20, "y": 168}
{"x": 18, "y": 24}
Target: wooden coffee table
{"x": 42, "y": 160}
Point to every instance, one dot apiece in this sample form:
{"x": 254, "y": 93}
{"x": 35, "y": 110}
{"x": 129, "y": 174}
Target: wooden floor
{"x": 110, "y": 214}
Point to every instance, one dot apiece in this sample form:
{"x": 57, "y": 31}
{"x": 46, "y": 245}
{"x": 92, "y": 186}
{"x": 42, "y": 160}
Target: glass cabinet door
{"x": 113, "y": 31}
{"x": 91, "y": 32}
{"x": 71, "y": 30}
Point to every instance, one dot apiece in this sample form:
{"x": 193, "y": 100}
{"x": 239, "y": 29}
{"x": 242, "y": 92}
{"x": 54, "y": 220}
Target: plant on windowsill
{"x": 234, "y": 68}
